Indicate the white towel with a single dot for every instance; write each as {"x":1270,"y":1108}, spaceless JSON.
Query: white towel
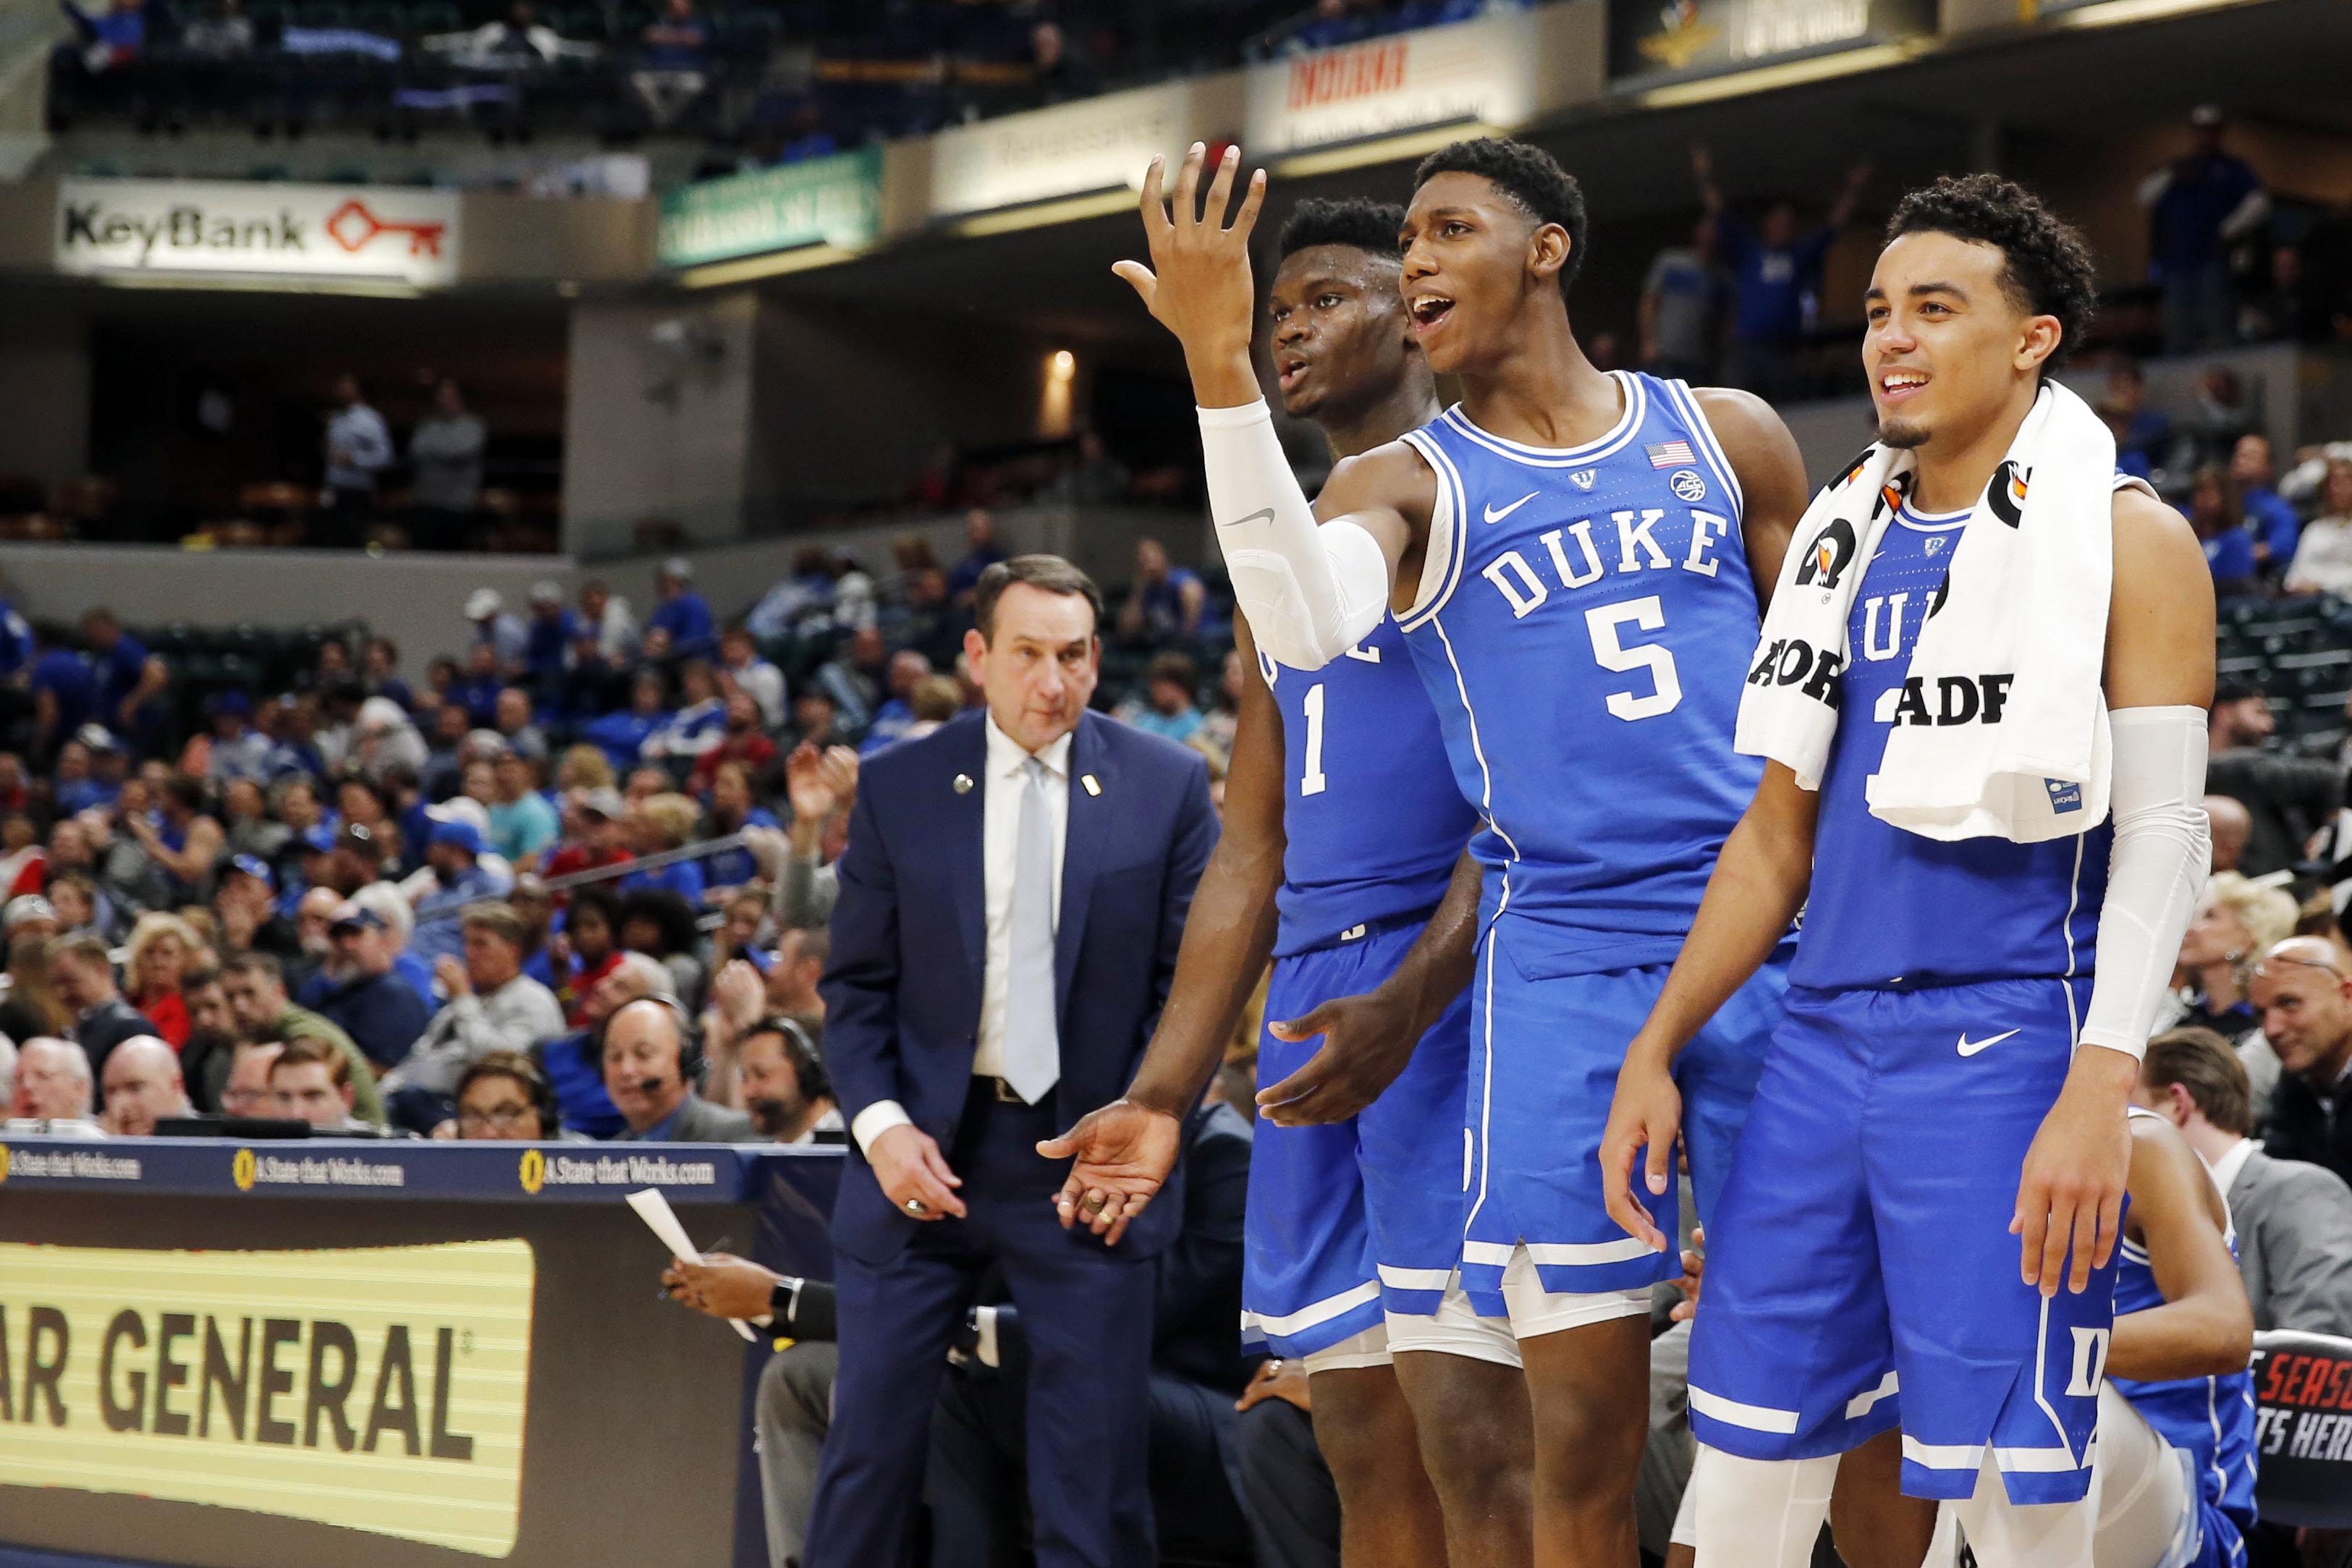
{"x":2001,"y":727}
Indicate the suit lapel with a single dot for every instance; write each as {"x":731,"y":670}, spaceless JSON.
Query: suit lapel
{"x":963,"y":819}
{"x":1090,"y":822}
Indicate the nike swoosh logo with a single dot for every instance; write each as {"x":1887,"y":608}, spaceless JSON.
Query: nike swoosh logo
{"x":1263,"y":514}
{"x":1971,"y":1047}
{"x":1497,"y":514}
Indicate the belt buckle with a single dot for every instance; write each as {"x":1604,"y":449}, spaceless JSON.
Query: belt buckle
{"x":1005,"y":1093}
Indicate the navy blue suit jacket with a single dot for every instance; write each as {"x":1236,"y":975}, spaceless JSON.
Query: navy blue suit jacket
{"x":909,"y":940}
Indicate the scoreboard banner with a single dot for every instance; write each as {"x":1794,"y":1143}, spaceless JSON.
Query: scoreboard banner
{"x":832,"y":201}
{"x":375,"y":1389}
{"x":371,"y":1168}
{"x":2303,"y":1398}
{"x":152,"y":228}
{"x":217,"y":1354}
{"x":1488,"y":72}
{"x":1652,"y":43}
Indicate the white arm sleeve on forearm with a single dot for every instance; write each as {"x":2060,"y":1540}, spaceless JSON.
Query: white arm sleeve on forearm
{"x":1311,"y":592}
{"x":2163,"y":847}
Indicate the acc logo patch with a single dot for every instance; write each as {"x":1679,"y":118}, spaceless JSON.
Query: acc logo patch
{"x":242,"y":1168}
{"x":534,"y":1174}
{"x":1688,"y":485}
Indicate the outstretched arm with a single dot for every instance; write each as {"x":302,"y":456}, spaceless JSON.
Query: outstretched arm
{"x":1759,"y":885}
{"x":1310,"y":593}
{"x":1125,"y":1150}
{"x":2160,"y":683}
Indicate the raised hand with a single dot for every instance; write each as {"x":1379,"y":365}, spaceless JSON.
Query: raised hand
{"x":1198,"y":285}
{"x":1122,"y":1155}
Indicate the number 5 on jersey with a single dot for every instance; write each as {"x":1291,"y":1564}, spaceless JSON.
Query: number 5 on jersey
{"x":1604,"y":623}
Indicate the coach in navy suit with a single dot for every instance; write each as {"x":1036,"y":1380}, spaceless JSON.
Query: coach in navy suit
{"x":1011,"y":899}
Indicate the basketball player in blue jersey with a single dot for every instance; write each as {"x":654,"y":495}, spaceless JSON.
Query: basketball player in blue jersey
{"x":1919,"y":1226}
{"x":1342,"y":829}
{"x":2176,"y":1459}
{"x":1573,"y":558}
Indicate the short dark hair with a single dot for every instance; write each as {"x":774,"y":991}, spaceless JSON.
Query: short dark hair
{"x":519,"y":1069}
{"x":266,"y":965}
{"x":197,"y":977}
{"x":1049,"y":574}
{"x":1359,"y":224}
{"x":307,"y":1050}
{"x":499,"y":919}
{"x":1531,"y":177}
{"x":2047,"y":268}
{"x":1173,"y":668}
{"x":2205,"y":1065}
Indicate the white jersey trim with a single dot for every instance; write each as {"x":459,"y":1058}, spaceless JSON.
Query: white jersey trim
{"x":1732,"y":1413}
{"x":1685,"y":399}
{"x":1628,"y":425}
{"x":1306,"y":1317}
{"x":1449,"y":539}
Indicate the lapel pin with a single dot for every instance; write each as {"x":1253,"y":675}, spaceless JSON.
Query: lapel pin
{"x":1093,"y":788}
{"x":963,"y":783}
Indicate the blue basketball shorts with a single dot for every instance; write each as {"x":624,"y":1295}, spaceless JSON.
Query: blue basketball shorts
{"x":1544,"y":1053}
{"x":1361,"y":1218}
{"x":1861,"y":1274}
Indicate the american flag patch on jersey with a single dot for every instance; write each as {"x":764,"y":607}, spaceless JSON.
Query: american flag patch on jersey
{"x":1670,"y":455}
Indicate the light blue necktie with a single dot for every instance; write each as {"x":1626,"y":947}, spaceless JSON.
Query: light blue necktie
{"x":1033,"y":1045}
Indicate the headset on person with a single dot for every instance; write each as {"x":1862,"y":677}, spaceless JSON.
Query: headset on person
{"x":807,"y":1065}
{"x":690,"y":1039}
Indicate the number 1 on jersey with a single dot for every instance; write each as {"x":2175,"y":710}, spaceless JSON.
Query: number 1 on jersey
{"x":1311,"y":779}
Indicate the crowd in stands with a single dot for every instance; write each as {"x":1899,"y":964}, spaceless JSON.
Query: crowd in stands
{"x":785,"y":79}
{"x":1740,"y":303}
{"x":312,"y":889}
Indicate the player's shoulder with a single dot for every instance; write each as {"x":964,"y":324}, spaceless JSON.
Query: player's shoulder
{"x":1392,"y":465}
{"x":2157,"y":557}
{"x":1751,"y":434}
{"x":2162,"y":1163}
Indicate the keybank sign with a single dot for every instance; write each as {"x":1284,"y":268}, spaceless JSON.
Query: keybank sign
{"x":158,"y":228}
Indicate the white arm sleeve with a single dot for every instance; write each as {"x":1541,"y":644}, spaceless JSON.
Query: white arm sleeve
{"x":2163,"y":847}
{"x":1311,"y":592}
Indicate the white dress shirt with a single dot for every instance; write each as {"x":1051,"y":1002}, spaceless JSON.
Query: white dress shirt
{"x":1005,"y":781}
{"x":2225,"y":1169}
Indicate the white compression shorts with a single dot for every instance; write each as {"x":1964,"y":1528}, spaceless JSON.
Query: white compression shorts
{"x":1456,"y":1330}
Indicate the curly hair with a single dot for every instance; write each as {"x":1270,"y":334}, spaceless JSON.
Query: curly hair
{"x":1529,"y":177}
{"x":1366,"y":226}
{"x":2047,"y":268}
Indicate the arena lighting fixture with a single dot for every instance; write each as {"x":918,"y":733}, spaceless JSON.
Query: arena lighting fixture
{"x":1037,"y":214}
{"x":1381,"y":149}
{"x":253,"y":283}
{"x":772,"y":264}
{"x":1789,"y":73}
{"x":2115,"y":11}
{"x":1062,"y":364}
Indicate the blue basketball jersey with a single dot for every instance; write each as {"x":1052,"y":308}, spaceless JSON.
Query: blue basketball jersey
{"x":1586,"y":621}
{"x":1888,"y":904}
{"x":1370,"y":817}
{"x":2210,"y":1418}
